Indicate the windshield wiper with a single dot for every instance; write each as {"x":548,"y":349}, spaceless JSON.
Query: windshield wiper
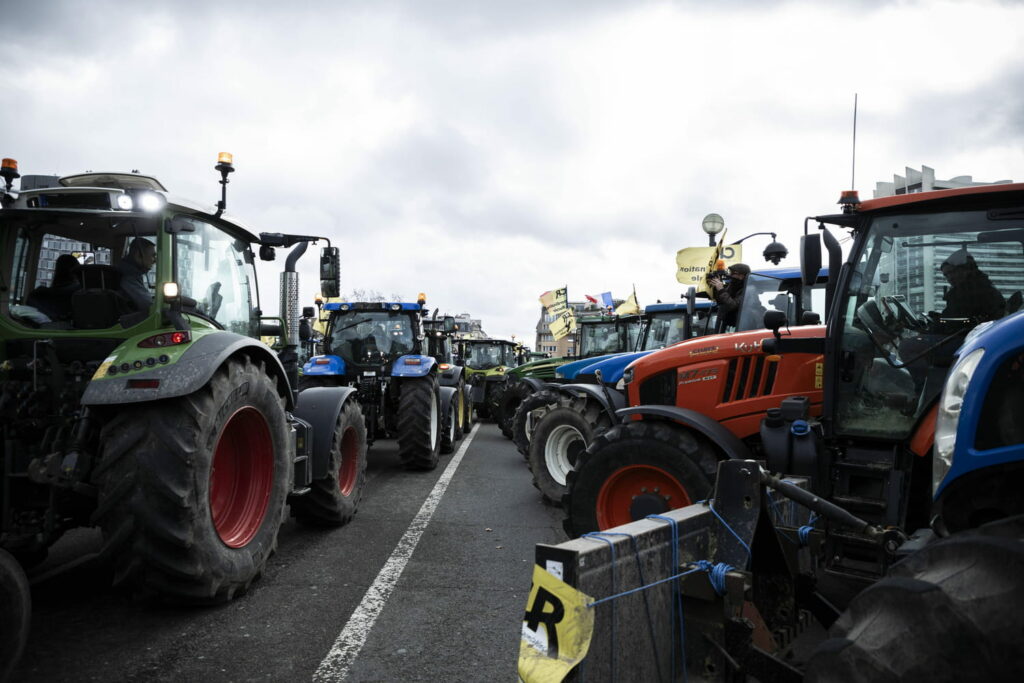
{"x":353,"y":324}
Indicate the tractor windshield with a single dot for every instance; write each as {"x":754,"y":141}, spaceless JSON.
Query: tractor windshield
{"x":210,"y":267}
{"x":70,"y":270}
{"x":665,"y":329}
{"x":361,"y":337}
{"x":439,"y":346}
{"x":789,"y":295}
{"x":919,"y":284}
{"x":487,"y":355}
{"x":599,"y":338}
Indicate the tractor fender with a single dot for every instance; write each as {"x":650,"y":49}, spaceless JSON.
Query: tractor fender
{"x":413,"y":366}
{"x":728,"y":442}
{"x":321,"y":366}
{"x":450,"y":377}
{"x":320,"y":407}
{"x":536,"y":384}
{"x":610,"y":401}
{"x":193,"y":370}
{"x":446,"y":398}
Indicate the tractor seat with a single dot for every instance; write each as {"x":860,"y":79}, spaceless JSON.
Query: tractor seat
{"x":98,"y":304}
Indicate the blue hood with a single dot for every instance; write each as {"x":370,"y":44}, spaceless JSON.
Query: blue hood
{"x":570,"y":370}
{"x":612,"y":367}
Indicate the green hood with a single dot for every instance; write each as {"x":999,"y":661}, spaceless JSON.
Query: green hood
{"x":543,"y":368}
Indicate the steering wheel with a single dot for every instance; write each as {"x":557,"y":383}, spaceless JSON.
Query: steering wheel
{"x":878,"y":322}
{"x":898,"y":311}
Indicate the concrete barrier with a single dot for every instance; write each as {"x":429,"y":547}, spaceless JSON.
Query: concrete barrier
{"x":638,"y":635}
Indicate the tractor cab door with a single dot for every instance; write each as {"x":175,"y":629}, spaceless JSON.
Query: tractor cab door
{"x":915,"y":286}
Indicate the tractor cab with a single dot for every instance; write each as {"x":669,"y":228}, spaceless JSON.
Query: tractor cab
{"x":368,"y":335}
{"x":490,"y":354}
{"x":438,"y":334}
{"x":603,"y":334}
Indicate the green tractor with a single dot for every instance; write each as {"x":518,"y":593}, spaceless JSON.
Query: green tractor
{"x":135,"y":394}
{"x":486,"y":362}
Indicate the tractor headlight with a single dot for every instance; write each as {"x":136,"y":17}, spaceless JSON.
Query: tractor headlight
{"x":151,"y":202}
{"x":949,"y":414}
{"x":124,"y":202}
{"x":627,"y":376}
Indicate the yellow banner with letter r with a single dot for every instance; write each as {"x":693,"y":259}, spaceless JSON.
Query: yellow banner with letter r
{"x":557,"y":628}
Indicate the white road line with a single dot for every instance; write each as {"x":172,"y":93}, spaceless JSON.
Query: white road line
{"x":335,"y":666}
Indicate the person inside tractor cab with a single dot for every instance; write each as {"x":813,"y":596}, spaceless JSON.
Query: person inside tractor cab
{"x":133,"y":267}
{"x":971,"y":294}
{"x":55,"y":300}
{"x":401,"y":337}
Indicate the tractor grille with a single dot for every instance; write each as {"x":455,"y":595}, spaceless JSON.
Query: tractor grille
{"x":659,"y":389}
{"x":749,"y":377}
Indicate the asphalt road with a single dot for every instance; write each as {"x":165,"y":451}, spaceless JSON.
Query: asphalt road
{"x":453,"y":612}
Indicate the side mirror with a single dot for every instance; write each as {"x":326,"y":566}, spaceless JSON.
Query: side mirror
{"x":180,"y":223}
{"x":691,"y":301}
{"x":810,"y":258}
{"x":774,"y":321}
{"x":308,"y":312}
{"x":330,"y":272}
{"x":267,"y":253}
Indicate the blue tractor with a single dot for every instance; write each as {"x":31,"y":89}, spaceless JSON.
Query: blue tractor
{"x":380,"y":349}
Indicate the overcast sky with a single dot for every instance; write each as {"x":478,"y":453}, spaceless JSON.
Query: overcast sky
{"x":484,"y":152}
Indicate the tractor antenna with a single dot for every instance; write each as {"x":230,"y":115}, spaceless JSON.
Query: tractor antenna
{"x":853,"y":164}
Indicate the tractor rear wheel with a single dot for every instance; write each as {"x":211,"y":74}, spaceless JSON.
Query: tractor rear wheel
{"x":950,"y":610}
{"x":559,"y":439}
{"x":192,"y":490}
{"x":508,"y":403}
{"x":529,"y":412}
{"x":15,"y":613}
{"x":634,"y":470}
{"x":419,"y":422}
{"x":334,"y":499}
{"x":459,"y":401}
{"x":448,"y":427}
{"x":468,"y":416}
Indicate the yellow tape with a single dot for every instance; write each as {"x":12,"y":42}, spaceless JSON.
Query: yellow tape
{"x":556,"y":631}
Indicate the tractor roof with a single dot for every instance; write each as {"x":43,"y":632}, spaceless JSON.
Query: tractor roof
{"x":372,"y":306}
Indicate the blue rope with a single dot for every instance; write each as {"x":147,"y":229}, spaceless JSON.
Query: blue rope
{"x":677,"y":597}
{"x":804,"y":532}
{"x":716,"y":573}
{"x":643,"y":584}
{"x":711,"y":507}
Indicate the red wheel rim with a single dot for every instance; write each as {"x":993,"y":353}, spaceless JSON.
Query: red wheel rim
{"x":348,"y":471}
{"x":632,"y":490}
{"x":242,"y":477}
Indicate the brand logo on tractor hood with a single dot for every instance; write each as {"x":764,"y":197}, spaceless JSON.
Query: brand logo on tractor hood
{"x":748,"y":346}
{"x":704,"y":350}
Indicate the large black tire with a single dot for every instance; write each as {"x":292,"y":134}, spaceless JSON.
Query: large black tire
{"x":15,"y":613}
{"x":192,"y":490}
{"x":508,"y":403}
{"x":528,"y":413}
{"x":419,"y":423}
{"x":634,"y":470}
{"x":951,"y":611}
{"x":334,"y":499}
{"x":560,"y":438}
{"x":449,"y":428}
{"x":469,"y":417}
{"x":459,"y":401}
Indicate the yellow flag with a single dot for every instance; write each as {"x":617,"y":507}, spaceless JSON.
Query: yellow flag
{"x":629,"y":306}
{"x":694,"y":263}
{"x":563,"y":325}
{"x":557,"y":628}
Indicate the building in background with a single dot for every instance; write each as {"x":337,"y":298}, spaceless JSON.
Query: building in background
{"x":469,"y":327}
{"x":924,"y":289}
{"x":53,"y":246}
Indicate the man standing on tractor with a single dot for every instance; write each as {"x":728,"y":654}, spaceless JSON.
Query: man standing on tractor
{"x":729,"y":293}
{"x":136,"y":263}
